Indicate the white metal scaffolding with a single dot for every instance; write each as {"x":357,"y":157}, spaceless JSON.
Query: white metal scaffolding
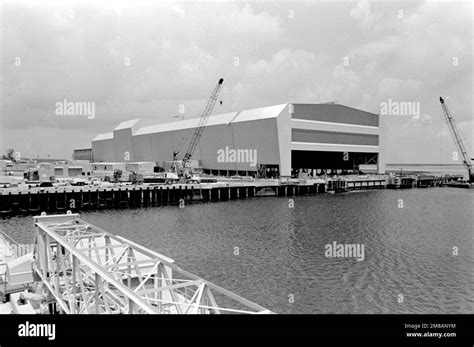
{"x":87,"y":270}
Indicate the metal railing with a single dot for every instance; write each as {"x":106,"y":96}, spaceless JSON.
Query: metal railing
{"x":88,"y":270}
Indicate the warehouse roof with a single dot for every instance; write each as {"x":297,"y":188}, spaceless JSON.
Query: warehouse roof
{"x":106,"y":136}
{"x":127,"y":124}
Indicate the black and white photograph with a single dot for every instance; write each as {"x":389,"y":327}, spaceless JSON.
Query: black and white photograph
{"x":299,"y":168}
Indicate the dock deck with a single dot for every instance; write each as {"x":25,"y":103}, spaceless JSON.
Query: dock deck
{"x":51,"y":200}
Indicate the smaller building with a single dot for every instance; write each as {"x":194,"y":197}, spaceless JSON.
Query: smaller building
{"x":10,"y":168}
{"x":108,"y":166}
{"x":43,"y":172}
{"x":72,"y":169}
{"x":51,"y":171}
{"x":141,"y":167}
{"x":83,"y":154}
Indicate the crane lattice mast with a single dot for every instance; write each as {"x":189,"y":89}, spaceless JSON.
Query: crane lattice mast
{"x":202,"y":124}
{"x":457,"y":138}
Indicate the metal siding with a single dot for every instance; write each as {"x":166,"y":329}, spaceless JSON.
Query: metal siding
{"x":259,"y":135}
{"x":124,"y":145}
{"x":316,"y":136}
{"x":104,"y":150}
{"x":335,"y":114}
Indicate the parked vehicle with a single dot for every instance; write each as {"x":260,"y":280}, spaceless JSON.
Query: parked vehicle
{"x":45,"y":184}
{"x":195,"y":179}
{"x":78,"y":182}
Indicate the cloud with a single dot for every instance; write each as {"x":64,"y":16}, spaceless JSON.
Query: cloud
{"x":287,"y":76}
{"x":177,"y":51}
{"x":409,"y":87}
{"x":96,"y":54}
{"x":363,"y":14}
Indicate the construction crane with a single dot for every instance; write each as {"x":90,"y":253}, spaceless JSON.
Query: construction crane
{"x":196,"y":136}
{"x":458,"y":139}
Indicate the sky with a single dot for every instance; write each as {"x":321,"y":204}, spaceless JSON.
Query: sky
{"x":155,"y":59}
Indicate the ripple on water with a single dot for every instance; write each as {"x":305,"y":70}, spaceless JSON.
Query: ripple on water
{"x":408,"y":251}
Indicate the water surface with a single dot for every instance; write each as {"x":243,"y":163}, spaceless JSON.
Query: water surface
{"x":281,"y":250}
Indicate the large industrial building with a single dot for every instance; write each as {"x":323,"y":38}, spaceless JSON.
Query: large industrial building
{"x":271,"y":141}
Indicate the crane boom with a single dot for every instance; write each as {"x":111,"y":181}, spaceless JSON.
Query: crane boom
{"x":202,"y":123}
{"x":457,"y":139}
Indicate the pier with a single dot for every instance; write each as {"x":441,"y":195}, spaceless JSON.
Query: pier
{"x":85,"y":199}
{"x":50,"y":200}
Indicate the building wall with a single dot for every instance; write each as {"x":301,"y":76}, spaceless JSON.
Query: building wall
{"x":335,"y":113}
{"x":338,"y":129}
{"x":105,"y":166}
{"x":295,"y":127}
{"x":284,"y":139}
{"x":140,"y":167}
{"x":83,"y":154}
{"x":383,"y":145}
{"x":73,"y":169}
{"x":259,"y":135}
{"x":336,"y":137}
{"x":104,"y":150}
{"x":124,"y":150}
